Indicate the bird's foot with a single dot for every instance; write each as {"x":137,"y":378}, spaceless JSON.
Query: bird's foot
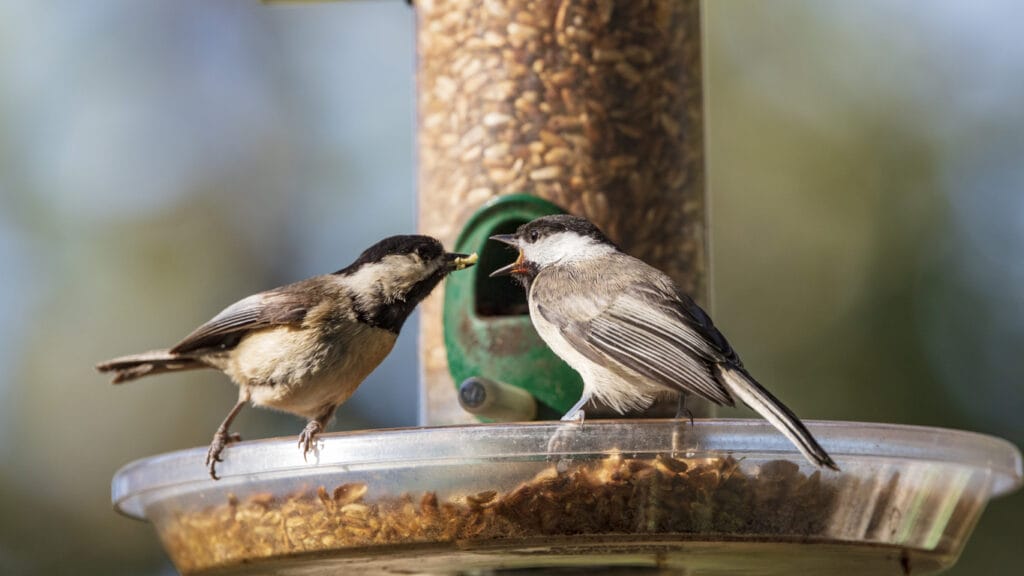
{"x":680,"y":443}
{"x":575,"y":416}
{"x":677,"y":432}
{"x":563,"y":438}
{"x":307,"y":439}
{"x":682,"y":410}
{"x":686,"y":414}
{"x":221,"y":438}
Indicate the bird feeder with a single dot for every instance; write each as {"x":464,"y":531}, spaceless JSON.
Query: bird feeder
{"x":593,"y":107}
{"x":734,"y":498}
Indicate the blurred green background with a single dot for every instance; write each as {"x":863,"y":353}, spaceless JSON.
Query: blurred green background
{"x":159,"y":160}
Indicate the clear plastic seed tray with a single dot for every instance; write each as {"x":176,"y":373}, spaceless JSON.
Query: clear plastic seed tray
{"x":715,"y":497}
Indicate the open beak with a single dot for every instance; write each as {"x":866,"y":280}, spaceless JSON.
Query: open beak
{"x":509,"y":239}
{"x":460,"y":261}
{"x":515,"y":267}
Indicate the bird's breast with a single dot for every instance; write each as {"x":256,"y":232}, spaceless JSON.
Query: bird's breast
{"x":301,"y":371}
{"x":615,"y":385}
{"x":551,"y":334}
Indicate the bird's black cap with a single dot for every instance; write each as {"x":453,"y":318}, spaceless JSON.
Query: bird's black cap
{"x":549,"y":225}
{"x":428,"y":249}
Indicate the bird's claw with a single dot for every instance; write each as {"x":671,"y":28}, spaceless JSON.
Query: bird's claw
{"x":572,"y":422}
{"x":221,"y":439}
{"x":577,"y":417}
{"x":688,"y":415}
{"x":307,"y":439}
{"x":562,"y":440}
{"x":682,"y":410}
{"x":679,"y":447}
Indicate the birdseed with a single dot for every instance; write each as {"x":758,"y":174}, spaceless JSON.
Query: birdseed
{"x":612,"y":496}
{"x":595,"y":105}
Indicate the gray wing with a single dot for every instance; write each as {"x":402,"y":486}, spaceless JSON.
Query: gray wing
{"x":649,"y":329}
{"x":263,"y":310}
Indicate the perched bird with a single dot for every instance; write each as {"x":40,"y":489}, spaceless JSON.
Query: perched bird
{"x":628,"y":330}
{"x":304,"y":348}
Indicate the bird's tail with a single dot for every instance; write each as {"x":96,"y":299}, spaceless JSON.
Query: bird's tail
{"x":745,"y":388}
{"x":127,"y":368}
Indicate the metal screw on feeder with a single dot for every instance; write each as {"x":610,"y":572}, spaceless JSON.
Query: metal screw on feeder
{"x":496,"y":401}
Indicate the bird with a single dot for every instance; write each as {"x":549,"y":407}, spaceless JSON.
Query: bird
{"x":305,"y":347}
{"x":629,"y":331}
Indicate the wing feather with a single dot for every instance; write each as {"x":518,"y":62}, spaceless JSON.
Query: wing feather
{"x":639,"y":321}
{"x":255,"y":312}
{"x":670,"y":358}
{"x":650,"y":334}
{"x":654,"y":313}
{"x":621,"y":347}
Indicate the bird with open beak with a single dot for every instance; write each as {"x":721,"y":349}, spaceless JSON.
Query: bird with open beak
{"x":629,"y":331}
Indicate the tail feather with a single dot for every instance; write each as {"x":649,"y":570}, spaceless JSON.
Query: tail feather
{"x":747,"y":390}
{"x":128,"y":368}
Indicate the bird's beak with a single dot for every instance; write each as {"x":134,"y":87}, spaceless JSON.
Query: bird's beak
{"x":515,"y":267}
{"x":509,"y":239}
{"x":460,"y":261}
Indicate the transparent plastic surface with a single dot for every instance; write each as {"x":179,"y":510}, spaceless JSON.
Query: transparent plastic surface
{"x":720,"y":496}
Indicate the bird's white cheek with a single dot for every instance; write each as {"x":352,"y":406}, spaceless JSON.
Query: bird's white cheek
{"x":564,"y":247}
{"x":390,"y":279}
{"x":542,"y":254}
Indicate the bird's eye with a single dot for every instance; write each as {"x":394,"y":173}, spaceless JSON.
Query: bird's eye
{"x":534,"y":235}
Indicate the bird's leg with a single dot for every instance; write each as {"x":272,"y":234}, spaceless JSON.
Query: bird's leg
{"x":681,"y":409}
{"x":576,"y":414}
{"x":573,"y":421}
{"x":221,"y":438}
{"x":307,"y":439}
{"x":677,"y":432}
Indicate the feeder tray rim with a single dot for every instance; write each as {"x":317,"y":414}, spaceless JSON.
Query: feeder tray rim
{"x":848,"y":442}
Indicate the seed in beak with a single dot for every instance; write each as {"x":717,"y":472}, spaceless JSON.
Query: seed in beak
{"x":465,"y":261}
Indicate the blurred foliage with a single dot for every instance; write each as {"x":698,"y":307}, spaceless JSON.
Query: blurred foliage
{"x":160,"y":160}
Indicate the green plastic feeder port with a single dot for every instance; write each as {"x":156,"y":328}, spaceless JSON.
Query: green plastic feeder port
{"x":487,"y":328}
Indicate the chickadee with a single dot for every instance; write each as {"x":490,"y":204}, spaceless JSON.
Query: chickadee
{"x":304,"y":348}
{"x":628,"y":330}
